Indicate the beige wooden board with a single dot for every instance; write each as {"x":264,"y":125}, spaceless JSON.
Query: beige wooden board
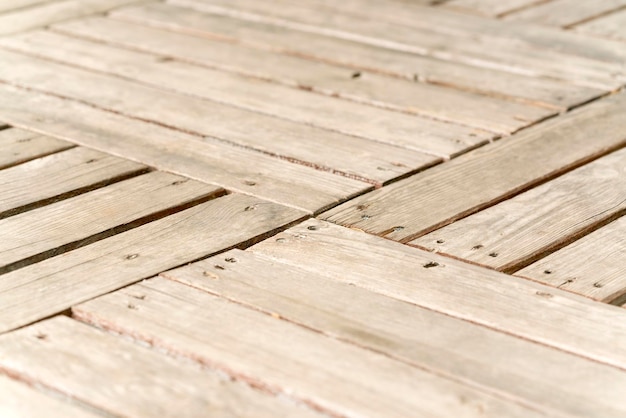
{"x":334,"y":376}
{"x":63,"y":173}
{"x":566,"y":12}
{"x":40,"y":15}
{"x":442,"y":103}
{"x":19,"y":146}
{"x":516,"y":306}
{"x":355,"y":157}
{"x":594,"y":266}
{"x":532,"y":373}
{"x":9,"y":5}
{"x":53,"y":285}
{"x":491,"y":49}
{"x":516,"y":232}
{"x":17,"y":400}
{"x":39,"y":233}
{"x":126,"y":379}
{"x":609,"y":26}
{"x":209,"y":161}
{"x":421,"y":134}
{"x":361,"y":56}
{"x":490,"y":7}
{"x":415,"y":206}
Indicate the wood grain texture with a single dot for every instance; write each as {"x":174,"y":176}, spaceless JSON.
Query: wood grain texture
{"x":19,"y":146}
{"x":354,"y":157}
{"x":566,"y":12}
{"x":551,"y":316}
{"x":10,"y":5}
{"x":209,"y":161}
{"x":489,"y":7}
{"x":56,"y":228}
{"x":53,"y":285}
{"x":336,"y":377}
{"x":415,"y":206}
{"x":610,"y":26}
{"x":532,"y":374}
{"x":358,"y":56}
{"x":57,"y":175}
{"x":126,"y":379}
{"x":594,"y":266}
{"x":516,"y":232}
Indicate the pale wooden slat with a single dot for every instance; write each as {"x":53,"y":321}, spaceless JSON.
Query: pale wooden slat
{"x":334,"y":376}
{"x":125,"y":379}
{"x":63,"y":173}
{"x":19,"y":146}
{"x":518,"y":231}
{"x":39,"y":233}
{"x":516,"y":306}
{"x":594,"y":266}
{"x":610,"y":26}
{"x":470,"y":109}
{"x":421,"y":134}
{"x":9,"y":5}
{"x":411,"y":334}
{"x":53,"y":285}
{"x":356,"y":157}
{"x":360,"y":56}
{"x":566,"y":12}
{"x":410,"y":208}
{"x":489,"y":7}
{"x":209,"y":161}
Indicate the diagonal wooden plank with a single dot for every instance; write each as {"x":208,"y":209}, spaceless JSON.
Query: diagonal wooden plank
{"x":566,"y":12}
{"x":490,"y":7}
{"x":420,"y":337}
{"x":19,"y":146}
{"x":415,"y":206}
{"x":10,"y":5}
{"x":126,"y":379}
{"x":609,"y":26}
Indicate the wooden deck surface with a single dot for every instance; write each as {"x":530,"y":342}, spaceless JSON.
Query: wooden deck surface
{"x":316,"y":208}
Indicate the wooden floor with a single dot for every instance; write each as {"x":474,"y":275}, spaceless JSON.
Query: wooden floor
{"x":313,"y":208}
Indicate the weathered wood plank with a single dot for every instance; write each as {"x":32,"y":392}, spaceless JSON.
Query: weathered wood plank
{"x":43,"y":289}
{"x":552,"y":317}
{"x":60,"y":227}
{"x":415,"y":206}
{"x":516,"y":232}
{"x":360,"y":56}
{"x":610,"y":26}
{"x":438,"y":102}
{"x":594,"y":266}
{"x":355,"y":157}
{"x":489,"y":7}
{"x":59,"y":175}
{"x":421,"y":134}
{"x":9,"y":5}
{"x":206,"y":160}
{"x":126,"y":379}
{"x":566,"y":12}
{"x":336,"y":377}
{"x":420,"y":337}
{"x":19,"y":146}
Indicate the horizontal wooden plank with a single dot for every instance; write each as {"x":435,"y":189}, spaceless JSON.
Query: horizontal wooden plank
{"x":126,"y":379}
{"x":268,"y":352}
{"x":566,"y":12}
{"x":58,"y":176}
{"x":417,"y":336}
{"x":19,"y":146}
{"x":610,"y":26}
{"x":594,"y":266}
{"x":549,"y":316}
{"x":415,"y":206}
{"x":489,"y":7}
{"x":206,"y":160}
{"x":48,"y":287}
{"x":60,"y":227}
{"x":516,"y":232}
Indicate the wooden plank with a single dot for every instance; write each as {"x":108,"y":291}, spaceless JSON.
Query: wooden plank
{"x":58,"y":176}
{"x":417,"y":336}
{"x":610,"y":26}
{"x":60,"y":227}
{"x":415,"y":206}
{"x":438,"y":102}
{"x":206,"y":160}
{"x":20,"y":400}
{"x":566,"y":12}
{"x":359,"y":56}
{"x":355,"y":157}
{"x":593,"y":266}
{"x":550,"y":316}
{"x":46,"y":288}
{"x":282,"y":357}
{"x":126,"y":379}
{"x":420,"y":134}
{"x":19,"y":146}
{"x":517,"y":232}
{"x":491,"y":8}
{"x":9,"y":5}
